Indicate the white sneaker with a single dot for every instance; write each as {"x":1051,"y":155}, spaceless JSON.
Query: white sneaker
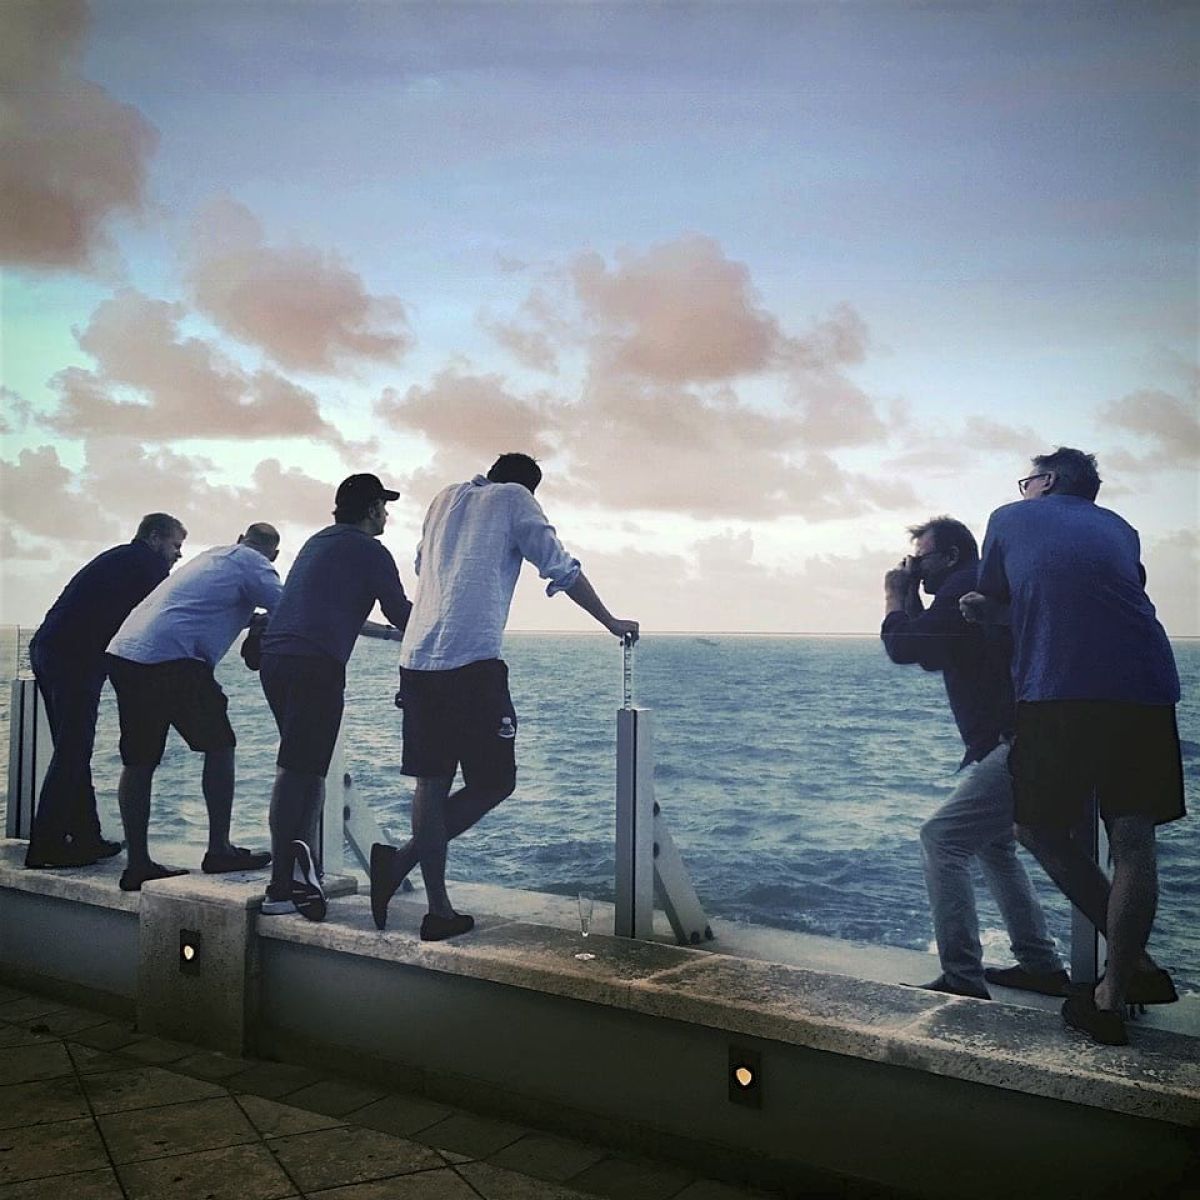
{"x":307,"y":895}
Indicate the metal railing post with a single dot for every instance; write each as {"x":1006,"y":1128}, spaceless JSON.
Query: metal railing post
{"x":634,"y":915}
{"x":1086,"y":939}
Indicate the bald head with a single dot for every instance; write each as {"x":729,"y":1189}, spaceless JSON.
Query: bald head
{"x":261,"y":537}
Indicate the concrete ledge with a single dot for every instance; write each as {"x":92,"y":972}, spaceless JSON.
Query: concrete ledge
{"x":98,"y":885}
{"x":997,"y":1045}
{"x":44,"y":929}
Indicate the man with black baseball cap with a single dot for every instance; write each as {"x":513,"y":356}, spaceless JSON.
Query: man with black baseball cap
{"x":335,"y":582}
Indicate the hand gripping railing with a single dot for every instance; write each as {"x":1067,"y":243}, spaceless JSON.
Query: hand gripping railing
{"x":646,"y":853}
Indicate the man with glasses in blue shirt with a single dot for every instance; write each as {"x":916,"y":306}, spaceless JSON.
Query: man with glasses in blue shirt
{"x":1096,"y":688}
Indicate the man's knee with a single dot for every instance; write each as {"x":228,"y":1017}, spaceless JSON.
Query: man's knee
{"x":933,"y":834}
{"x":1131,"y":839}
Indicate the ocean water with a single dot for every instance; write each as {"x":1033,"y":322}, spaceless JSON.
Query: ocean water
{"x":794,"y":772}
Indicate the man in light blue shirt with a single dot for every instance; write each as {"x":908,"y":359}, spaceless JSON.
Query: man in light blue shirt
{"x":453,"y":683}
{"x":1096,"y":688}
{"x":161,"y":664}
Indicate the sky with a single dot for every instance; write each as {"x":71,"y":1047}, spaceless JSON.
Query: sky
{"x":760,"y":284}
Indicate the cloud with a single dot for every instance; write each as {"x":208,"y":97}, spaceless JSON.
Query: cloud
{"x":705,"y":587}
{"x":1171,"y":424}
{"x":474,"y":413}
{"x":302,"y":306}
{"x":944,"y":452}
{"x":185,"y":387}
{"x":51,"y":513}
{"x":121,"y":480}
{"x":13,"y":547}
{"x":15,"y":410}
{"x":835,"y":412}
{"x":74,"y":157}
{"x":679,"y":313}
{"x":128,"y":479}
{"x":530,"y":347}
{"x":39,"y":495}
{"x":671,"y":450}
{"x":840,"y":340}
{"x":1173,"y":581}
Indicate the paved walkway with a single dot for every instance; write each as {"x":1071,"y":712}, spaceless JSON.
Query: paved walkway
{"x":92,"y":1110}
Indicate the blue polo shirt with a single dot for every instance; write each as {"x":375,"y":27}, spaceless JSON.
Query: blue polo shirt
{"x":974,"y":660}
{"x":82,"y":621}
{"x":330,"y":591}
{"x":1083,"y":627}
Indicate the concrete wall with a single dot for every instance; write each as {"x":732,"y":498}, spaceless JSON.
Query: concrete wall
{"x":591,"y":1070}
{"x":80,"y":944}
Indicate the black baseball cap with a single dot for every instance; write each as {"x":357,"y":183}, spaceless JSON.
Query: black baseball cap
{"x":359,"y":492}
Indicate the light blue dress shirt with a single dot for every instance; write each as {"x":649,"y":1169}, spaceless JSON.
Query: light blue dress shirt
{"x":199,"y":611}
{"x":475,"y":538}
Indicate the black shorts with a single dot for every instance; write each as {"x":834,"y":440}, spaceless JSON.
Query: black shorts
{"x":153,"y":697}
{"x":306,"y":694}
{"x":1066,"y":750}
{"x":463,"y":717}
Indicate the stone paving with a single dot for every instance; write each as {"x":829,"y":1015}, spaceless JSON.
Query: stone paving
{"x":92,"y":1110}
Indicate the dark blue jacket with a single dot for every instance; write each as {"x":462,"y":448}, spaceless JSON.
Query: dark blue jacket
{"x":83,"y":620}
{"x":975,"y":662}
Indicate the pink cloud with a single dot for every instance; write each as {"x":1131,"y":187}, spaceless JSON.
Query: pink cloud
{"x":184,"y":386}
{"x":301,"y":305}
{"x":74,"y":157}
{"x":39,"y":495}
{"x":840,"y":340}
{"x":671,"y":450}
{"x":679,"y":313}
{"x":530,"y":347}
{"x":475,"y":413}
{"x":128,"y":479}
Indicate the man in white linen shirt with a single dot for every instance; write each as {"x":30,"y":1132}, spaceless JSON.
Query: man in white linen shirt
{"x":453,"y":683}
{"x":161,"y":664}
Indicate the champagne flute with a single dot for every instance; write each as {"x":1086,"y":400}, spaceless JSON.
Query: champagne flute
{"x":587,"y":904}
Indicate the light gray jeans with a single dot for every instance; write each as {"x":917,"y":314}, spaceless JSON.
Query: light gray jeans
{"x":977,"y":821}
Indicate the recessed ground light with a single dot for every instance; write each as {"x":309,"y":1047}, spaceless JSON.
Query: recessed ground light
{"x":189,"y":951}
{"x":745,"y":1077}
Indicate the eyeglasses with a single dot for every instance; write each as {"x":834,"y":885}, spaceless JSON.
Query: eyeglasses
{"x":1023,"y":484}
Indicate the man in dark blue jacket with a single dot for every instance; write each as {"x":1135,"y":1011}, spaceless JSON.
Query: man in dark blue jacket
{"x":67,"y":656}
{"x":977,"y":820}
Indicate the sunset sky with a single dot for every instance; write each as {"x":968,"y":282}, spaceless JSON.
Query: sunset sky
{"x":759,"y":284}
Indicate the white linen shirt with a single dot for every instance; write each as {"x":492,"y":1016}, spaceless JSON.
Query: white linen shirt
{"x":475,"y":537}
{"x":199,"y":611}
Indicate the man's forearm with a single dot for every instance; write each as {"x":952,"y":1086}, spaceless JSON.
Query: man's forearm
{"x":582,"y":592}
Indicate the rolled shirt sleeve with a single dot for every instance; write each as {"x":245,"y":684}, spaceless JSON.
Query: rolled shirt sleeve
{"x":538,"y":543}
